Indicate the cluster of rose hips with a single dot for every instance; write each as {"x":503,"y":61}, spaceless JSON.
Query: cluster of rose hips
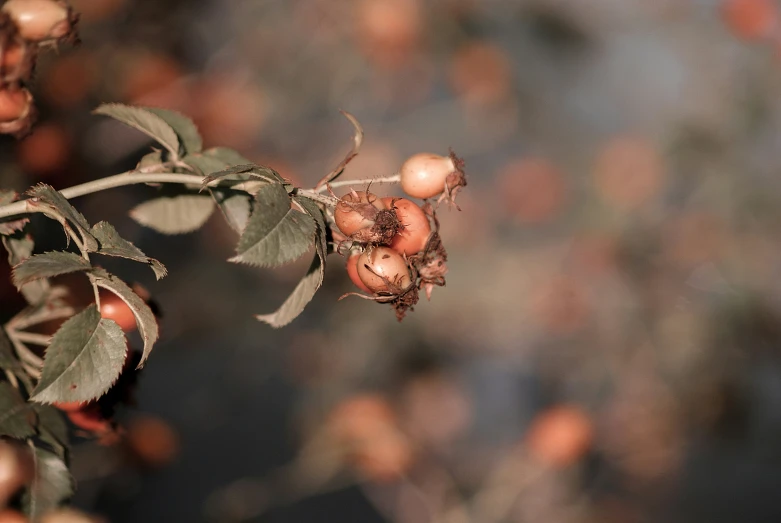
{"x":25,"y":27}
{"x":394,"y":247}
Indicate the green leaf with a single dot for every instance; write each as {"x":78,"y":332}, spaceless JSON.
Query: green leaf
{"x":16,"y":418}
{"x":215,"y":159}
{"x":145,"y":318}
{"x":45,"y":197}
{"x":83,"y":360}
{"x":145,"y":121}
{"x":47,"y":265}
{"x":52,"y":428}
{"x":19,"y":249}
{"x":174,"y":215}
{"x":299,"y":298}
{"x":236,"y":206}
{"x":7,"y":196}
{"x":184,"y":128}
{"x":51,"y":485}
{"x":227,"y":155}
{"x":311,"y":282}
{"x":10,"y":225}
{"x":313,"y":210}
{"x":112,"y":244}
{"x":275,"y":233}
{"x":204,"y":163}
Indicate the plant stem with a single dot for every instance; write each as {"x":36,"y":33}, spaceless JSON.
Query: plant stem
{"x":110,"y":182}
{"x":395,"y":178}
{"x":135,"y":177}
{"x":31,"y":337}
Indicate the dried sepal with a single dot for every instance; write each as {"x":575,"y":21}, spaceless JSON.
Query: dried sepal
{"x":453,"y":182}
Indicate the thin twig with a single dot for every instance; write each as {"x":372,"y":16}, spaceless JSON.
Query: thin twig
{"x":25,"y":354}
{"x":395,"y":178}
{"x":12,"y":379}
{"x":32,"y":337}
{"x":316,"y":196}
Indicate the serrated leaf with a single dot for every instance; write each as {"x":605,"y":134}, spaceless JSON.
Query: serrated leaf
{"x":204,"y":163}
{"x":275,"y":233}
{"x":48,"y":265}
{"x":112,"y":244}
{"x":316,"y":212}
{"x":145,"y":318}
{"x":16,"y":418}
{"x":47,"y":198}
{"x":227,"y":155}
{"x":7,"y":196}
{"x":174,"y":215}
{"x":51,"y":484}
{"x":83,"y":360}
{"x":145,"y":121}
{"x":19,"y":249}
{"x":311,"y":282}
{"x":299,"y":298}
{"x":52,"y":428}
{"x":184,"y":128}
{"x":10,"y":225}
{"x":236,"y":207}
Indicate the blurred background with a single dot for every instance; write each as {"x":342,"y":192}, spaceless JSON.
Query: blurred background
{"x":607,"y":346}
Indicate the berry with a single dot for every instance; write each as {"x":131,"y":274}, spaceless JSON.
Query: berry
{"x":382,"y":269}
{"x":415,"y":227}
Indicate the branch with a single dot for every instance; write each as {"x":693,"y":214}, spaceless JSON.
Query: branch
{"x":395,"y":178}
{"x":110,"y":182}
